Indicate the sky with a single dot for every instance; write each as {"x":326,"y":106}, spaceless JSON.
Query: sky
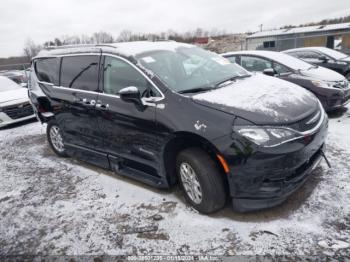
{"x":44,"y":20}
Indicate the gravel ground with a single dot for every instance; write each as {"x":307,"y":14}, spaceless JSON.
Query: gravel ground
{"x":61,"y":206}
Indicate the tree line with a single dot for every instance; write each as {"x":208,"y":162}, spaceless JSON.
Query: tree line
{"x":31,"y":48}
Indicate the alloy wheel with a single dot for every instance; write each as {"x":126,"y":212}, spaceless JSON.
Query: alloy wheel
{"x":56,"y":138}
{"x":191,"y":183}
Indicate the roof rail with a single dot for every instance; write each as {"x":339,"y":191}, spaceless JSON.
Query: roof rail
{"x":76,"y":46}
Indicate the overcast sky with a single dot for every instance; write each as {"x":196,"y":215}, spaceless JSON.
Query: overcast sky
{"x":43,"y":20}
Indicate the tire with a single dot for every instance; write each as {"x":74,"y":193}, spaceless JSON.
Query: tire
{"x":54,"y":138}
{"x":208,"y":180}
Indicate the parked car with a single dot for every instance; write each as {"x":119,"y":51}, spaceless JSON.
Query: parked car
{"x":324,"y":57}
{"x":162,"y":112}
{"x":331,"y":88}
{"x":18,"y":76}
{"x":14,"y":103}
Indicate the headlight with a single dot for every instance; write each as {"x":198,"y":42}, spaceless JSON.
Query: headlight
{"x":322,"y":84}
{"x":267,"y":136}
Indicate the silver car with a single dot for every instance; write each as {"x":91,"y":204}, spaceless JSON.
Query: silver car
{"x":14,"y":103}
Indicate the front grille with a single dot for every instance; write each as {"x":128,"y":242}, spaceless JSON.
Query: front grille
{"x":308,"y":122}
{"x":19,"y":110}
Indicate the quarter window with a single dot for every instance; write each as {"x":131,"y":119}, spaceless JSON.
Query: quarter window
{"x":232,"y":59}
{"x":280,"y":69}
{"x":80,"y":72}
{"x":47,"y":70}
{"x":119,"y":74}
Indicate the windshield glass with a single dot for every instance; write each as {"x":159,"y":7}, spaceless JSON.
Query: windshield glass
{"x":7,"y":84}
{"x":188,"y":68}
{"x":290,"y":61}
{"x":334,"y":54}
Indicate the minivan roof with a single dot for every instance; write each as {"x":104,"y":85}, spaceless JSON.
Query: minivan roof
{"x":123,"y":48}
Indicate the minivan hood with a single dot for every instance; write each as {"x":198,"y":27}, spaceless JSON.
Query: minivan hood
{"x":324,"y":74}
{"x":11,"y":95}
{"x":262,"y":100}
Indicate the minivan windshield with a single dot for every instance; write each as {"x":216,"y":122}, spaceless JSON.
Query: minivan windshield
{"x":191,"y":69}
{"x":7,"y":84}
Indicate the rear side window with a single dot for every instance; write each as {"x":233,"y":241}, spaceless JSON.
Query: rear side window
{"x":47,"y":70}
{"x":80,"y":72}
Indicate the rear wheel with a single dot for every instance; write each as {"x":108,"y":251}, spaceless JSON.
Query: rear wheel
{"x":55,"y":139}
{"x":201,"y":180}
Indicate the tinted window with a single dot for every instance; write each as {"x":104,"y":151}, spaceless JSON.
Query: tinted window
{"x":255,"y":63}
{"x":80,"y":72}
{"x":47,"y":70}
{"x":119,"y":74}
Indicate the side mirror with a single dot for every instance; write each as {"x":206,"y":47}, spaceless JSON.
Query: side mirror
{"x":323,"y":59}
{"x":131,"y":94}
{"x":269,"y":72}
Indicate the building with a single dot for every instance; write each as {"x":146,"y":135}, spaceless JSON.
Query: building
{"x":336,"y":36}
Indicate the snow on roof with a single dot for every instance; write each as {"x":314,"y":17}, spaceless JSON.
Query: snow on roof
{"x":282,"y":58}
{"x":298,"y":30}
{"x":124,"y":48}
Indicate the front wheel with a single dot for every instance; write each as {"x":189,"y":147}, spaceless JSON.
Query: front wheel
{"x":201,"y":180}
{"x":55,"y":139}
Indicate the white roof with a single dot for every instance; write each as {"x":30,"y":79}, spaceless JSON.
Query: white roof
{"x":297,"y":30}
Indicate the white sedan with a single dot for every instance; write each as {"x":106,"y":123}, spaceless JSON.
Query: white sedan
{"x":14,"y":103}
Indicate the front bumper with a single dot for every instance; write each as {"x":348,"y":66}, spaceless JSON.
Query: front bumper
{"x":12,"y":114}
{"x":265,"y":178}
{"x":337,"y":100}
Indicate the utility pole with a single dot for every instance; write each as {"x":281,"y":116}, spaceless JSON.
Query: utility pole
{"x":261,"y":27}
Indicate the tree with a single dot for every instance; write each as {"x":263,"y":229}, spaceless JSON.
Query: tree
{"x":31,"y":49}
{"x":102,"y":37}
{"x":124,"y":36}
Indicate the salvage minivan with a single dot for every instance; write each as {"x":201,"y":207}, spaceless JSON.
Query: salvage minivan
{"x":168,"y":112}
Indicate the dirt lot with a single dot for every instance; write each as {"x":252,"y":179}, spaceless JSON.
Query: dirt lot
{"x":52,"y":205}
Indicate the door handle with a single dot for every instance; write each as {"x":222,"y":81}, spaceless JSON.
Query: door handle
{"x":102,"y":106}
{"x":86,"y":102}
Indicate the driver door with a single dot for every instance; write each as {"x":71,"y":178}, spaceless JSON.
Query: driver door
{"x":128,"y":131}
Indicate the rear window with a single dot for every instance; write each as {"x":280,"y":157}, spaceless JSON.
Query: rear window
{"x":47,"y":70}
{"x":80,"y":72}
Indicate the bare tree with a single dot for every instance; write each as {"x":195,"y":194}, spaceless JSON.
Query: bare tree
{"x":31,"y":49}
{"x":102,"y":37}
{"x":124,"y":36}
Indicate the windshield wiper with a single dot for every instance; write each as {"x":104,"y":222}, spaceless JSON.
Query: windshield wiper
{"x":196,"y":90}
{"x":230,"y":80}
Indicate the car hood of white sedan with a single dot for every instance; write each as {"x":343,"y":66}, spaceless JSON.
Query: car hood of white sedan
{"x":12,"y":95}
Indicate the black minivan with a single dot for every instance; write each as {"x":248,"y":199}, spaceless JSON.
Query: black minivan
{"x":167,"y":112}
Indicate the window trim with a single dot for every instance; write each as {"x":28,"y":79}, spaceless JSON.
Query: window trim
{"x":81,"y":54}
{"x":146,"y":99}
{"x":100,"y":90}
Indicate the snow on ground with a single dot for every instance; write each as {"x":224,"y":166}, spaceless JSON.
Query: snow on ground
{"x":52,"y":205}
